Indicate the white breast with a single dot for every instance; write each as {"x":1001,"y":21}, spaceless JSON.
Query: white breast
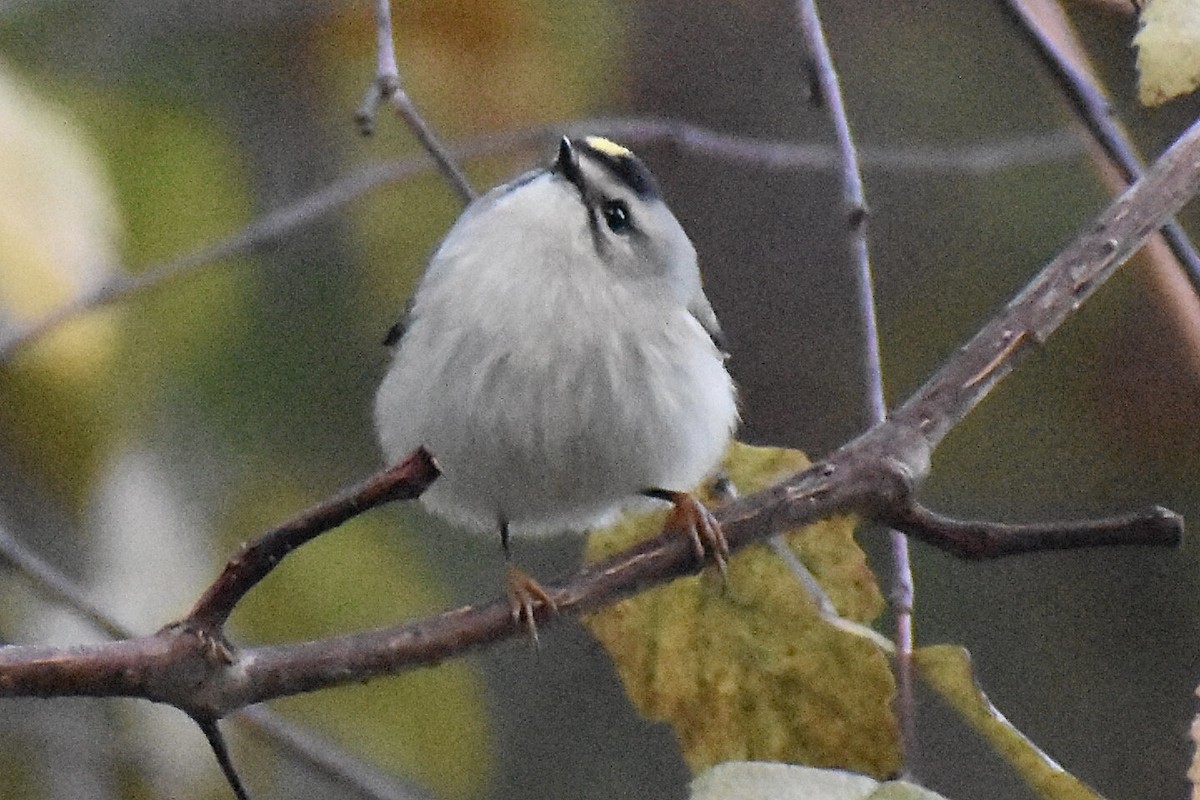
{"x":553,"y":397}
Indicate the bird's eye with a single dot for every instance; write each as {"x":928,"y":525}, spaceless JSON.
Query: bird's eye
{"x":616,"y":215}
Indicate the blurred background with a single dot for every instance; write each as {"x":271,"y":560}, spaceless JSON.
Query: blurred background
{"x":141,"y":443}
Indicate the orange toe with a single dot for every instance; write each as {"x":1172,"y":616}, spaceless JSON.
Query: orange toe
{"x":525,"y":596}
{"x":690,"y":518}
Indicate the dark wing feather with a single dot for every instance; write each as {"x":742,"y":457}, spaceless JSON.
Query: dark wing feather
{"x":396,"y":332}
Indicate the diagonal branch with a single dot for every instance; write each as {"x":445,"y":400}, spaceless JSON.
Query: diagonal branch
{"x":1055,"y":293}
{"x":405,"y":481}
{"x":1095,"y":111}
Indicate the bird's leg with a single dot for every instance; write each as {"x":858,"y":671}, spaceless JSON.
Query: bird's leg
{"x":689,"y":517}
{"x":524,"y":593}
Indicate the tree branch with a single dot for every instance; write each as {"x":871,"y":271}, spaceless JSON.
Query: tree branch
{"x":854,"y":203}
{"x":302,"y":745}
{"x":387,"y":86}
{"x":975,"y":539}
{"x":1094,"y":109}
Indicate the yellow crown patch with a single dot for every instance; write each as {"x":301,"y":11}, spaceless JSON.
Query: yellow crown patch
{"x":607,"y":146}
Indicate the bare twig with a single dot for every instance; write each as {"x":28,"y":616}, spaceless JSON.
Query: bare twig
{"x":387,"y":72}
{"x":330,"y":760}
{"x":429,"y":140}
{"x":980,"y":159}
{"x":1095,"y":111}
{"x":280,"y":222}
{"x":58,"y":587}
{"x":855,"y":206}
{"x":979,"y":539}
{"x":269,"y":228}
{"x":387,"y":86}
{"x":404,"y":481}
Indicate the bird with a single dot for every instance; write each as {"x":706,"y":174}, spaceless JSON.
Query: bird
{"x":561,"y":361}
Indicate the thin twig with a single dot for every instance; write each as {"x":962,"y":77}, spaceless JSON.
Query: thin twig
{"x":855,"y":205}
{"x":387,"y":72}
{"x":55,"y":585}
{"x":274,"y":225}
{"x":387,"y":86}
{"x":327,"y":758}
{"x":433,"y":145}
{"x":269,"y":228}
{"x":974,"y":539}
{"x":255,"y":561}
{"x":1096,"y":112}
{"x":979,"y":159}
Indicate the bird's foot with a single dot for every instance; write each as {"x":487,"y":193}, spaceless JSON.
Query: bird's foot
{"x":690,"y":518}
{"x":525,"y":596}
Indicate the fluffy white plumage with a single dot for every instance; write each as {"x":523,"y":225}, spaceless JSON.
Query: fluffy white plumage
{"x":559,"y":355}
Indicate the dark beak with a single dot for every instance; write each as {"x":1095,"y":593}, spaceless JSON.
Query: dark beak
{"x":567,"y":163}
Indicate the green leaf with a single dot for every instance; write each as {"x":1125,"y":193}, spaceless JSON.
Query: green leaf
{"x":948,"y":670}
{"x":750,"y":670}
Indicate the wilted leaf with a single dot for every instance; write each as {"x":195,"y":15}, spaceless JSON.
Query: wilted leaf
{"x":750,"y":671}
{"x":1168,"y":46}
{"x":948,"y":670}
{"x":764,"y":780}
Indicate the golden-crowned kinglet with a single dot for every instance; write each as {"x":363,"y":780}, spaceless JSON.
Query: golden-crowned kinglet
{"x":560,"y":360}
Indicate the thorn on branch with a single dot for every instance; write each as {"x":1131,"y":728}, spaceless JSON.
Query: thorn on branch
{"x":973,"y":539}
{"x":216,"y":740}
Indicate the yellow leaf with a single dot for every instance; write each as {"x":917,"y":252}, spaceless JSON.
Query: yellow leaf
{"x":59,"y":230}
{"x":948,"y":670}
{"x":58,"y":223}
{"x":750,"y":671}
{"x":1168,"y":44}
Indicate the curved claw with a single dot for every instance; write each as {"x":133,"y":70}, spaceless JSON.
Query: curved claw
{"x":690,"y":518}
{"x":525,"y":595}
